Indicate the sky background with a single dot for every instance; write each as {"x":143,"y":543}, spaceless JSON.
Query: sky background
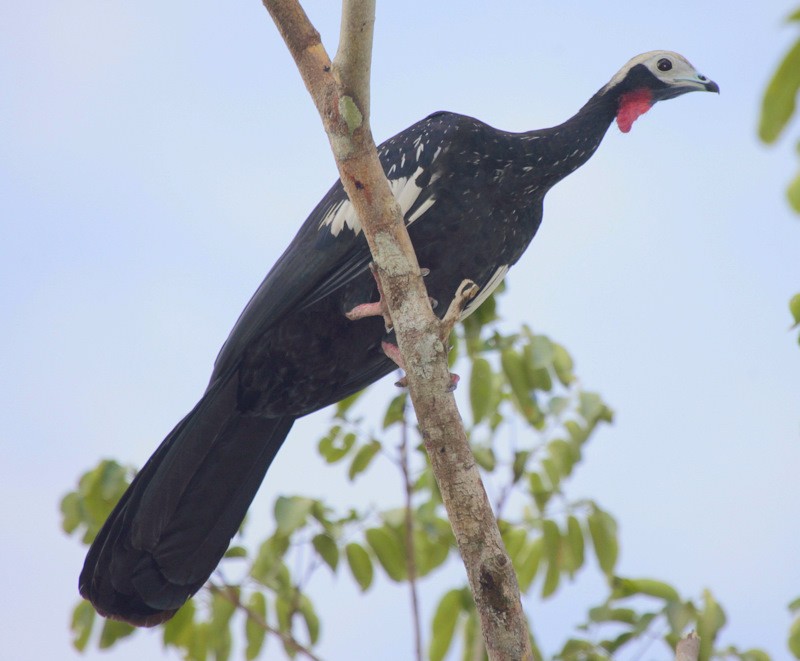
{"x":156,"y":158}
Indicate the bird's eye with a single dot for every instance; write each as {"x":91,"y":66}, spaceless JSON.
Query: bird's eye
{"x":664,"y":64}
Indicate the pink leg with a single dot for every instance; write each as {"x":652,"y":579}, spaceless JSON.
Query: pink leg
{"x":372,"y":309}
{"x":393,"y":352}
{"x":365,"y":310}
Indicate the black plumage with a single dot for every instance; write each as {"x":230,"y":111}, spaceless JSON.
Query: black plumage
{"x":472,"y":198}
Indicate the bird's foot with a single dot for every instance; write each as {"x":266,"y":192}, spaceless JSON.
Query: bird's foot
{"x":373,"y":309}
{"x":379,"y":308}
{"x":393,"y":352}
{"x":466,"y":291}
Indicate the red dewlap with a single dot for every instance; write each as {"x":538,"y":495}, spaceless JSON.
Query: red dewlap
{"x":633,"y":105}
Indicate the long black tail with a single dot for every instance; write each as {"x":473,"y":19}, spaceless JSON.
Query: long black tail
{"x":174,"y":523}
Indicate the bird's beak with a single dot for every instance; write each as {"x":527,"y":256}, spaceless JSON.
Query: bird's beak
{"x":700,"y":83}
{"x":691,"y":83}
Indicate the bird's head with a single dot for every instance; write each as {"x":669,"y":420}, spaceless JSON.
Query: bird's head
{"x":652,"y":77}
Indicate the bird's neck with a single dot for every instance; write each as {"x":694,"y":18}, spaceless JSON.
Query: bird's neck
{"x":556,"y":152}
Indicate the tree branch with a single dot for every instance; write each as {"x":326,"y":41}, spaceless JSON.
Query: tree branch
{"x":688,"y":647}
{"x":411,"y":552}
{"x":342,"y":99}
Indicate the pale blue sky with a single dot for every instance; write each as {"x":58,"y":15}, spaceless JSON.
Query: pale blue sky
{"x":155,"y":159}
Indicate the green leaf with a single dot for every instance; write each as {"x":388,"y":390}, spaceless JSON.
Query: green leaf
{"x":344,"y":405}
{"x":514,"y":368}
{"x":528,"y":560}
{"x":433,"y":541}
{"x":540,"y":494}
{"x":558,"y":405}
{"x":590,"y":406}
{"x":612,"y":646}
{"x":198,"y":643}
{"x":605,"y":613}
{"x":793,"y":193}
{"x":306,"y":609}
{"x":564,"y":454}
{"x":291,"y":513}
{"x":236,"y":552}
{"x":473,"y":646}
{"x":70,"y":512}
{"x":575,"y":648}
{"x":484,"y":456}
{"x":625,"y":587}
{"x":562,"y":364}
{"x":794,"y":605}
{"x":254,"y":630}
{"x":360,"y":565}
{"x":327,"y":549}
{"x":82,"y":621}
{"x":538,"y":354}
{"x":268,"y":561}
{"x":179,"y":630}
{"x":366,"y":453}
{"x":388,"y":550}
{"x":222,"y":610}
{"x":112,"y":631}
{"x":284,"y":611}
{"x":778,"y":104}
{"x":574,"y":547}
{"x":603,"y":530}
{"x":709,"y":621}
{"x":551,"y":538}
{"x":89,"y":506}
{"x":794,"y":638}
{"x":542,"y":351}
{"x":514,"y":539}
{"x":334,"y":446}
{"x":444,"y":624}
{"x":794,"y":308}
{"x":679,"y":615}
{"x":480,"y":385}
{"x":396,"y":412}
{"x":551,"y":579}
{"x":754,"y":655}
{"x":552,"y":469}
{"x":520,"y":461}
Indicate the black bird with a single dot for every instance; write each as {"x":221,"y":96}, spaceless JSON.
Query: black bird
{"x":472,"y":198}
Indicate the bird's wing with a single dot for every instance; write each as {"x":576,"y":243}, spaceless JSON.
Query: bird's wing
{"x":330,"y":251}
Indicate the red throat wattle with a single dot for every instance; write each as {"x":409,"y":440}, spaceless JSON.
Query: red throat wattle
{"x":633,"y":105}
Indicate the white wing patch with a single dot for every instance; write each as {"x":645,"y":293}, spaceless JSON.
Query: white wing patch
{"x":484,"y":293}
{"x":404,"y":190}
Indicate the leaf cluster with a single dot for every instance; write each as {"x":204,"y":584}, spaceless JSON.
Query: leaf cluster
{"x":530,"y":423}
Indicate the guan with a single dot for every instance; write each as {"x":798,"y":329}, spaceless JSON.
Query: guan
{"x":471,"y":196}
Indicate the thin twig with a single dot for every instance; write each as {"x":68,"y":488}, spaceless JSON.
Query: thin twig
{"x":226,"y":592}
{"x":411,"y":563}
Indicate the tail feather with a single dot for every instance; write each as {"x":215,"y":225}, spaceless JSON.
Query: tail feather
{"x":174,"y":523}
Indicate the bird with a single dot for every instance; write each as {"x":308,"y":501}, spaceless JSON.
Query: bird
{"x":471,"y":197}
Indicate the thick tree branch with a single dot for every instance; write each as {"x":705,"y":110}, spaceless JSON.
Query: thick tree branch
{"x":341,"y":94}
